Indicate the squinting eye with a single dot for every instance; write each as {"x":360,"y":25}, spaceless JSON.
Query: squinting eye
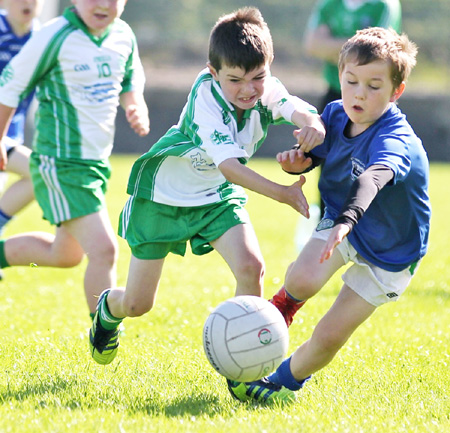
{"x":374,"y":88}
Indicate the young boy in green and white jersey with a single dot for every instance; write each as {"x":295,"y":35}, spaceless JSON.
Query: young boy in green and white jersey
{"x":189,"y":186}
{"x":83,"y":64}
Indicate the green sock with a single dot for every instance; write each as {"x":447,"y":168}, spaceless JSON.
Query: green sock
{"x":107,"y":320}
{"x":3,"y":261}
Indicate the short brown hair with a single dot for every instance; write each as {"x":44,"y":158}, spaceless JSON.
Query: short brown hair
{"x":241,"y":39}
{"x":377,"y":43}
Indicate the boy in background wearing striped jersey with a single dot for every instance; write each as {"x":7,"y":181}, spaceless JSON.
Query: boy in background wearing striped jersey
{"x":189,"y":185}
{"x":83,"y":64}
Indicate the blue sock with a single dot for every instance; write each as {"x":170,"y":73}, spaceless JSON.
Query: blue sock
{"x":293,"y":297}
{"x":283,"y":376}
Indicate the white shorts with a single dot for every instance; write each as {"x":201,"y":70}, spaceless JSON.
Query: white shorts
{"x":9,"y":143}
{"x":377,"y":286}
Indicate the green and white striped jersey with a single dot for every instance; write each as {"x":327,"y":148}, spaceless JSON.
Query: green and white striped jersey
{"x":181,"y":169}
{"x":79,"y":78}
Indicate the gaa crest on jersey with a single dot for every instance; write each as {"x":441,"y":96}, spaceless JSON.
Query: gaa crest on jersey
{"x":357,"y":168}
{"x":219,"y":138}
{"x":199,"y":163}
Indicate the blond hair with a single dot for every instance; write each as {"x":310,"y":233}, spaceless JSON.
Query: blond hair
{"x":377,"y":43}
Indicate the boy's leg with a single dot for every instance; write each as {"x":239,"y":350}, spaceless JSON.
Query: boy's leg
{"x":140,"y":293}
{"x":305,"y":277}
{"x":240,"y":249}
{"x":44,"y":249}
{"x":20,"y":193}
{"x":98,"y":240}
{"x":116,"y":304}
{"x":347,"y":313}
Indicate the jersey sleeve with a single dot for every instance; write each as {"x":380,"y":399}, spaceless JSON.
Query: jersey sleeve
{"x":281,"y":103}
{"x":22,"y":73}
{"x":134,"y":79}
{"x":391,"y":151}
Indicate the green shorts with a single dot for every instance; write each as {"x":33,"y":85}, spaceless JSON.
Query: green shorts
{"x":153,"y":230}
{"x":68,"y":188}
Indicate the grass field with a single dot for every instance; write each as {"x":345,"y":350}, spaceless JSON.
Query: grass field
{"x":393,"y":376}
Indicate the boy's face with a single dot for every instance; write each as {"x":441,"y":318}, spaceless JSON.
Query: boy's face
{"x":22,"y":12}
{"x":99,"y":14}
{"x":367,"y":91}
{"x":242,"y":89}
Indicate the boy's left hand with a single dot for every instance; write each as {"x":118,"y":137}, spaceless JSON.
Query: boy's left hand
{"x":337,"y":234}
{"x":138,"y":120}
{"x":293,"y":161}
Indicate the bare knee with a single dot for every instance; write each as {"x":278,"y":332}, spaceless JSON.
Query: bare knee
{"x":250,"y":274}
{"x":302,"y":285}
{"x":104,"y":252}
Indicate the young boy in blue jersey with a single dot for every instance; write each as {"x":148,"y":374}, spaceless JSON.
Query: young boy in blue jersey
{"x":189,"y":186}
{"x":374,"y":182}
{"x":17,"y":22}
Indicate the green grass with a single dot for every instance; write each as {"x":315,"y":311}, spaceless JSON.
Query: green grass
{"x":392,"y":376}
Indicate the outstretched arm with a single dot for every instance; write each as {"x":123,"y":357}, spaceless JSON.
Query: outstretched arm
{"x":136,"y":112}
{"x":292,"y":195}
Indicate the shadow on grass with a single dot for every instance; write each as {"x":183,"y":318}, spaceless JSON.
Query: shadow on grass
{"x":55,"y":393}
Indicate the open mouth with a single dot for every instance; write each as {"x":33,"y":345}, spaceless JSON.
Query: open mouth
{"x":100,"y":16}
{"x":247,"y":100}
{"x":357,"y":108}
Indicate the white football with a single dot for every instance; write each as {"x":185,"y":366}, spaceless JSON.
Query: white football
{"x":245,"y":338}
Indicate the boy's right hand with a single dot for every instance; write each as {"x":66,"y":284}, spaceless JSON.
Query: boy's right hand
{"x":138,"y":119}
{"x":295,"y":198}
{"x":293,"y":161}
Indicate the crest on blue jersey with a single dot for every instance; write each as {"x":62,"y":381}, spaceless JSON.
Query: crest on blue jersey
{"x":357,"y":167}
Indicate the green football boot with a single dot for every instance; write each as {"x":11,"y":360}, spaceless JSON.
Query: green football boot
{"x":103,"y":343}
{"x":262,"y":391}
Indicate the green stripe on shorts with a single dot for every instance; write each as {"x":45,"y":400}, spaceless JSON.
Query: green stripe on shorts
{"x":68,"y":188}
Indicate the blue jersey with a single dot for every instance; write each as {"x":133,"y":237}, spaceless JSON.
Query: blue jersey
{"x":10,"y":45}
{"x":393,"y":232}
